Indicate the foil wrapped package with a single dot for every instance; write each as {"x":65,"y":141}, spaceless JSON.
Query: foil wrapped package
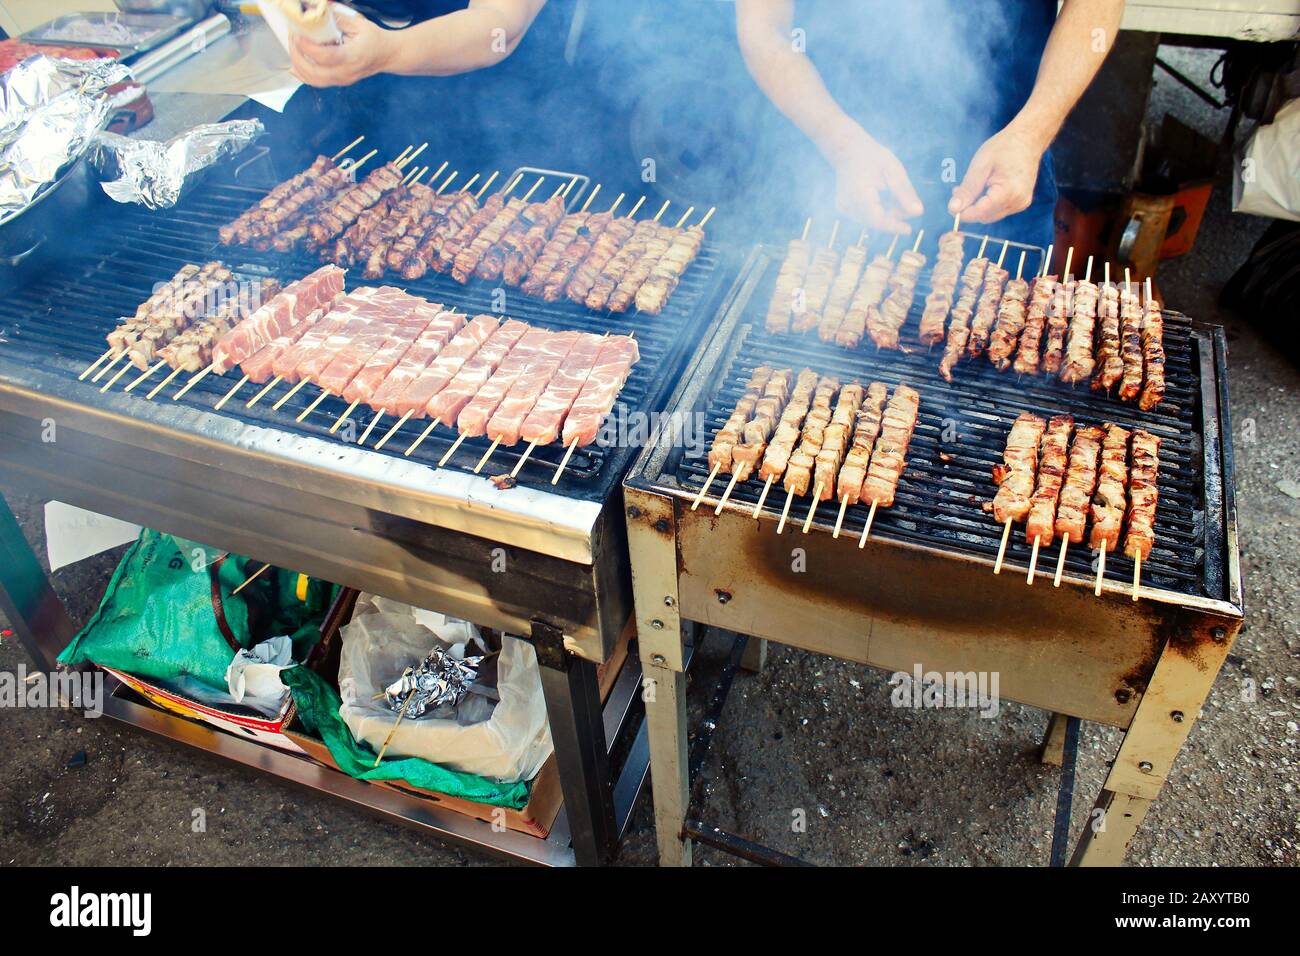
{"x":50,"y":109}
{"x":155,"y":174}
{"x":437,"y":684}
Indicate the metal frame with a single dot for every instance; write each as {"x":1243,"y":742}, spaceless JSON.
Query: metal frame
{"x":1144,"y":667}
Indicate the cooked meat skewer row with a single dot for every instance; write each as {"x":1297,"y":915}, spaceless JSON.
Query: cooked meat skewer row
{"x":835,"y":443}
{"x":1015,"y":476}
{"x":720,"y":454}
{"x":524,"y":246}
{"x":1029,"y":350}
{"x":624,"y":294}
{"x":943,"y":287}
{"x":959,"y":328}
{"x":1053,"y":453}
{"x":798,"y":471}
{"x":1130,"y":314}
{"x":852,"y":263}
{"x":1153,"y":354}
{"x":816,"y":287}
{"x":1108,"y":501}
{"x":782,"y":443}
{"x":745,"y":457}
{"x":788,"y":282}
{"x":875,"y":281}
{"x":1076,"y":493}
{"x":1012,"y":316}
{"x":251,"y":220}
{"x":889,"y":457}
{"x":885,"y":324}
{"x":986,"y":311}
{"x":1058,"y":318}
{"x":603,"y":250}
{"x":620,"y":264}
{"x":1079,"y":362}
{"x":1109,"y":367}
{"x":668,"y":271}
{"x":1142,"y":496}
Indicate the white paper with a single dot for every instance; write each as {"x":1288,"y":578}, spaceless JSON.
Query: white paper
{"x":74,"y":534}
{"x":1268,"y":183}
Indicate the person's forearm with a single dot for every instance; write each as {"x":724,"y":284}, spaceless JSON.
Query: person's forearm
{"x":789,"y":79}
{"x":482,"y":35}
{"x":1082,"y":36}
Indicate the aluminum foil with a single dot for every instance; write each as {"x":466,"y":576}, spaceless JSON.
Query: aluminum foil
{"x":50,"y":108}
{"x":439,"y":681}
{"x":155,"y":174}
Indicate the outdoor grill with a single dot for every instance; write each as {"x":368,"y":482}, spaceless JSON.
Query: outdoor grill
{"x":922,"y":590}
{"x":259,"y":483}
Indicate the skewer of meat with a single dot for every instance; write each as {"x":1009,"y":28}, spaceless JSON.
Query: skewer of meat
{"x":525,"y":246}
{"x":543,"y":422}
{"x":798,"y":470}
{"x":835,"y":444}
{"x":452,"y":246}
{"x":1079,"y":362}
{"x":885,"y":324}
{"x":282,"y":226}
{"x":617,"y":268}
{"x":1130,"y":315}
{"x":986,"y":310}
{"x":596,"y":400}
{"x":866,"y":428}
{"x":789,"y":280}
{"x":241,"y":229}
{"x":852,"y":263}
{"x":1058,"y":318}
{"x":1015,"y":477}
{"x":624,"y":293}
{"x":668,"y":271}
{"x":972,"y":278}
{"x":783,"y":439}
{"x":343,"y":210}
{"x":1053,"y":454}
{"x":424,"y":388}
{"x":1012,"y":316}
{"x":866,"y":299}
{"x":816,"y":286}
{"x":1108,"y":501}
{"x":556,"y":284}
{"x":747,"y":455}
{"x":1142,"y":497}
{"x":1153,"y":353}
{"x":1109,"y":366}
{"x":604,"y":248}
{"x":403,"y":254}
{"x":724,"y":442}
{"x":566,"y":233}
{"x":1077,"y":491}
{"x":492,"y":264}
{"x":1029,"y":351}
{"x":889,"y":456}
{"x":943,"y":287}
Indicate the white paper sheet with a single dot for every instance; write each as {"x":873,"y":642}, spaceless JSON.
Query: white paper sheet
{"x":74,"y":534}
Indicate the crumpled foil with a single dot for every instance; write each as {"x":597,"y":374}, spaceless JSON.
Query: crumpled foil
{"x":49,"y":110}
{"x":155,"y":174}
{"x":440,"y":680}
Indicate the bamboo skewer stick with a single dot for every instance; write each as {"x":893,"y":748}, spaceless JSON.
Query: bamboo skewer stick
{"x":1002,"y":548}
{"x":785,"y":512}
{"x":486,"y":455}
{"x":956,"y":223}
{"x":812,"y":508}
{"x":400,"y":714}
{"x":893,"y":244}
{"x":1101,"y":571}
{"x":1069,"y":257}
{"x":289,"y":394}
{"x":1047,"y":260}
{"x":1137,"y":574}
{"x":145,"y":374}
{"x":484,"y":188}
{"x":839,"y":520}
{"x":100,"y":374}
{"x":251,"y":578}
{"x":353,"y":167}
{"x":919,"y":236}
{"x":346,"y":149}
{"x":410,"y":159}
{"x":835,"y":231}
{"x":523,"y":458}
{"x":1060,"y":562}
{"x":705,"y":490}
{"x":590,"y":196}
{"x":663,"y":209}
{"x":726,"y":494}
{"x":632,"y":214}
{"x":529,"y":195}
{"x":806,"y":226}
{"x":423,"y":435}
{"x":194,"y":381}
{"x":113,"y":381}
{"x":265,"y":388}
{"x":767,"y":486}
{"x":230,"y":394}
{"x":163,"y":384}
{"x":564,"y":462}
{"x":452,"y":450}
{"x":94,"y":365}
{"x":707,"y":216}
{"x":312,"y":407}
{"x":406,"y":417}
{"x":347,"y":413}
{"x":1033,"y":562}
{"x":685,"y":216}
{"x":369,"y":428}
{"x":866,"y":528}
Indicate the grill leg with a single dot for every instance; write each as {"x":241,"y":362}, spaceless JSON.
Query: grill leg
{"x":578,"y":732}
{"x":651,"y":532}
{"x":27,"y":598}
{"x":1181,"y":681}
{"x":1053,"y":748}
{"x":755,"y":655}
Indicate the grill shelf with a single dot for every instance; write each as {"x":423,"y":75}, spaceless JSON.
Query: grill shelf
{"x":938,"y":503}
{"x":59,"y":321}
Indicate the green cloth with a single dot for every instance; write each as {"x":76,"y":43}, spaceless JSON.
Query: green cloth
{"x":157,"y":620}
{"x":318,"y":708}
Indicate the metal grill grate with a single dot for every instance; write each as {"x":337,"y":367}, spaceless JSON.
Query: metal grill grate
{"x":960,"y":434}
{"x":59,"y":320}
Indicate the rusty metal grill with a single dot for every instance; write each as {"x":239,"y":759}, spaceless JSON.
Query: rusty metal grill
{"x":59,"y":320}
{"x":961,"y":432}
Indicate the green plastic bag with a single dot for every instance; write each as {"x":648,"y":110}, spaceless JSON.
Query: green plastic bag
{"x":318,"y":709}
{"x":168,"y":612}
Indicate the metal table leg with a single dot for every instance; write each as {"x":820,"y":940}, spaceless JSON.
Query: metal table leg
{"x":578,"y":733}
{"x":27,"y":597}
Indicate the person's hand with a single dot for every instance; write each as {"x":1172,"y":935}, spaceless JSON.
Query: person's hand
{"x":871,"y":185}
{"x":1000,"y":180}
{"x":364,"y":51}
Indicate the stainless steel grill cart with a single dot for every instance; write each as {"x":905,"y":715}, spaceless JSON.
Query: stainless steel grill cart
{"x":542,"y":561}
{"x":922,"y":590}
